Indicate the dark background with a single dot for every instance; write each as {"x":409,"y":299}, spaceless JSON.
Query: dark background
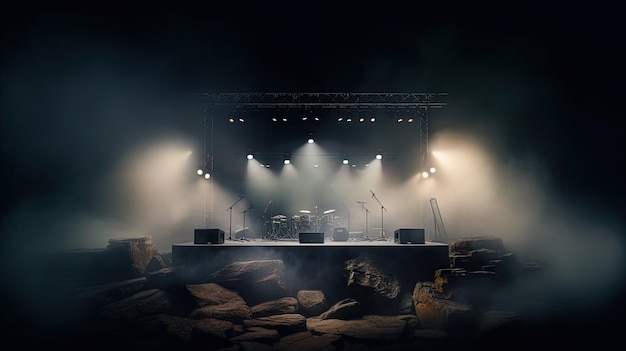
{"x":545,"y":78}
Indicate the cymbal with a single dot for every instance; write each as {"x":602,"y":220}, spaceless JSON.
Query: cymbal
{"x":329,"y":211}
{"x":304,"y":211}
{"x":279,"y":217}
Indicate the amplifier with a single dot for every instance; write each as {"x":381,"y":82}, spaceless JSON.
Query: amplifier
{"x":340,"y":234}
{"x":208,"y":236}
{"x":409,"y":236}
{"x":311,"y":237}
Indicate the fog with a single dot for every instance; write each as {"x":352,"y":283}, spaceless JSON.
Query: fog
{"x":99,"y":143}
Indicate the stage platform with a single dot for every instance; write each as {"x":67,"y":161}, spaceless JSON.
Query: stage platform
{"x":196,"y":262}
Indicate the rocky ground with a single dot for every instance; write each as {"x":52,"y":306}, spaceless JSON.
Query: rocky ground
{"x":248,"y":305}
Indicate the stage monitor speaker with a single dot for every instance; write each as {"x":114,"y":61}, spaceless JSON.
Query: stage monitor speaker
{"x":409,"y":236}
{"x":208,"y":236}
{"x":311,"y":237}
{"x":340,"y":234}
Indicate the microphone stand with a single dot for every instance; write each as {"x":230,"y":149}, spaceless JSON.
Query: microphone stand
{"x":230,"y":228}
{"x":382,"y":212}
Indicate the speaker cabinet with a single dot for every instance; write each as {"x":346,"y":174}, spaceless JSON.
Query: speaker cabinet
{"x":340,"y":234}
{"x":409,"y":236}
{"x":311,"y":237}
{"x":208,"y":236}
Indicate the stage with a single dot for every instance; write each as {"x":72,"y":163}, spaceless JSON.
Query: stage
{"x":196,"y":262}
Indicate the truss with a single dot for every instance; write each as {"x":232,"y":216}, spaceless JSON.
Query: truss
{"x":323,"y":100}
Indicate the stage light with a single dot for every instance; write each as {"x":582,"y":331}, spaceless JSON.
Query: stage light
{"x":432,"y":170}
{"x":310,"y":141}
{"x":349,"y":120}
{"x":373,"y":119}
{"x":250,"y":156}
{"x":410,"y":120}
{"x":231,"y":120}
{"x":287,"y":158}
{"x":207,"y":176}
{"x":200,"y":171}
{"x":425,"y":174}
{"x":361,"y":119}
{"x":400,"y":120}
{"x":339,"y":119}
{"x":345,"y":161}
{"x":379,"y":156}
{"x":284,"y":119}
{"x":274,"y":119}
{"x":241,"y":120}
{"x":286,"y":161}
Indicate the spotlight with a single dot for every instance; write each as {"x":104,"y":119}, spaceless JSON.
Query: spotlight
{"x":379,"y":156}
{"x":400,"y":120}
{"x":373,"y":119}
{"x":424,"y":174}
{"x":200,"y":171}
{"x":339,"y":119}
{"x":310,"y":141}
{"x":432,"y":170}
{"x":349,"y":120}
{"x":286,"y":161}
{"x":410,"y":120}
{"x":207,"y":176}
{"x":345,"y":161}
{"x":241,"y":120}
{"x":274,"y":119}
{"x":361,"y":119}
{"x":231,"y":120}
{"x":250,"y":156}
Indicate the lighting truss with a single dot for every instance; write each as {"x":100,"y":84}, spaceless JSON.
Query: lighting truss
{"x":322,"y":100}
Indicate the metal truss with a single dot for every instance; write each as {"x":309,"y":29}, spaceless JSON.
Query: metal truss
{"x":323,"y":100}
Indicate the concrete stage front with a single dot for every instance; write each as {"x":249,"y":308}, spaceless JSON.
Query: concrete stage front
{"x":310,"y":261}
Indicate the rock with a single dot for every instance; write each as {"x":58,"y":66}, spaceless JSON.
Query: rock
{"x":372,"y":281}
{"x":370,"y":327}
{"x":135,"y":253}
{"x":281,"y":306}
{"x":465,"y":245}
{"x":312,"y":302}
{"x":283,"y":323}
{"x":257,"y":281}
{"x":305,"y":341}
{"x":111,"y":292}
{"x":235,"y":311}
{"x":144,"y":303}
{"x":434,"y":311}
{"x":213,"y":294}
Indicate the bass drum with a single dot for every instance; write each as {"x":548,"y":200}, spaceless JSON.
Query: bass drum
{"x":305,"y":224}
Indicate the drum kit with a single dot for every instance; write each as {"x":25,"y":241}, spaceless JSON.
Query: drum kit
{"x":284,"y":227}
